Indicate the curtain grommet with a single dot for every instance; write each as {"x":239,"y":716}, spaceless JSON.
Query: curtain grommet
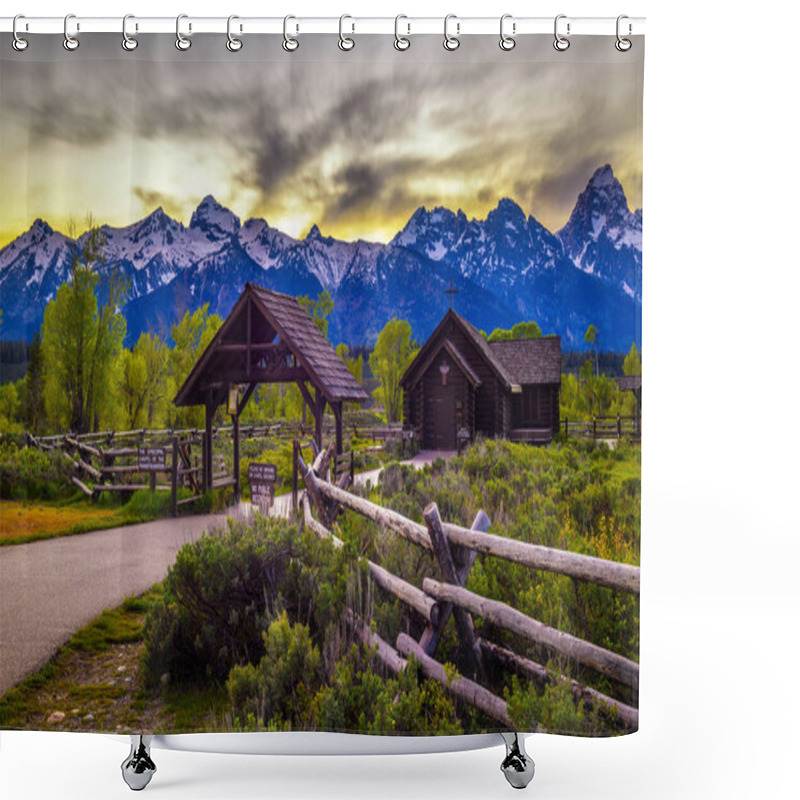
{"x":451,"y":43}
{"x":183,"y":43}
{"x":561,"y":43}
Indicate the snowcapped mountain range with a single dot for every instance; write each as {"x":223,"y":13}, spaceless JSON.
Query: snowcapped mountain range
{"x":507,"y":268}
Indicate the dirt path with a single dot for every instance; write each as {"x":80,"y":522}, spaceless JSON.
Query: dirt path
{"x":49,"y":589}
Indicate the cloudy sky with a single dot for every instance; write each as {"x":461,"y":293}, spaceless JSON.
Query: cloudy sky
{"x":353,"y":144}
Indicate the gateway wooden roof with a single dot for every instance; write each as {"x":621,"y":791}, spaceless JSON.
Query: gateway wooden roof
{"x":269,"y":338}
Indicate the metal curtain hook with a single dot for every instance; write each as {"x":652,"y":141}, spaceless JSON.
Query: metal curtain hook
{"x":401,"y":42}
{"x":19,"y":44}
{"x":345,"y":42}
{"x":290,"y":44}
{"x":70,"y":42}
{"x":128,"y":42}
{"x":233,"y":44}
{"x":507,"y":42}
{"x":560,"y":43}
{"x":451,"y":42}
{"x":181,"y":41}
{"x":623,"y":45}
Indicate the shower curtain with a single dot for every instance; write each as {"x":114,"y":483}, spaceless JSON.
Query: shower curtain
{"x":321,"y":384}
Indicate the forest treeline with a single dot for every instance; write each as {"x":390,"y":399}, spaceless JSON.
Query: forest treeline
{"x":80,"y":377}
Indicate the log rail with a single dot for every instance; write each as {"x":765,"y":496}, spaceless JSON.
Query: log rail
{"x":455,"y":549}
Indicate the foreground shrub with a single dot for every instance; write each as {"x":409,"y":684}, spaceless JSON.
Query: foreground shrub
{"x":30,"y":474}
{"x":278,"y":691}
{"x":223,"y":591}
{"x":288,"y":691}
{"x":553,"y":709}
{"x":358,"y":698}
{"x":217,"y":599}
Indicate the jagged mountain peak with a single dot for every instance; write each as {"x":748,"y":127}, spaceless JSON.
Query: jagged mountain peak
{"x":508,"y":214}
{"x":509,"y":263}
{"x":40,"y":228}
{"x":603,"y":176}
{"x":315,"y":235}
{"x":214,"y":219}
{"x":602,"y":236}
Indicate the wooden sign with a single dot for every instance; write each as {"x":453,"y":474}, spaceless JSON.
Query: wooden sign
{"x":152,"y":459}
{"x":262,"y":479}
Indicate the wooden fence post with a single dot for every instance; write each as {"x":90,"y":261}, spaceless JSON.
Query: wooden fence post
{"x":175,"y":463}
{"x":619,"y":427}
{"x":441,"y":550}
{"x":594,"y":428}
{"x":463,"y":559}
{"x":295,"y":454}
{"x":237,"y":486}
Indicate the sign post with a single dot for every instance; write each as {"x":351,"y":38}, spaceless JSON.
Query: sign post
{"x":262,"y":479}
{"x":152,"y":460}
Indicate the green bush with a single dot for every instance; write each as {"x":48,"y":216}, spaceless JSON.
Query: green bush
{"x":218,"y":596}
{"x":223,"y":590}
{"x":358,"y":698}
{"x":552,"y":709}
{"x":278,"y":692}
{"x":30,"y":474}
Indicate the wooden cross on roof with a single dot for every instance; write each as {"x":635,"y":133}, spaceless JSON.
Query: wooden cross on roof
{"x":451,"y":291}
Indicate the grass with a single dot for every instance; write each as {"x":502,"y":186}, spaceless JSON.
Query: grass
{"x":84,"y":678}
{"x":27,"y":522}
{"x":198,"y":709}
{"x":85,"y":682}
{"x":22,"y":522}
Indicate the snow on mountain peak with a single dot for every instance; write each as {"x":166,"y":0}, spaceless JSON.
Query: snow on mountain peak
{"x":315,"y":235}
{"x":214,"y":219}
{"x":40,"y":228}
{"x":602,"y":236}
{"x":603,"y":176}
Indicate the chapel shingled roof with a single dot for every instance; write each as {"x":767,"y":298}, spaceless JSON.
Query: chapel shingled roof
{"x":515,"y":363}
{"x":530,"y":360}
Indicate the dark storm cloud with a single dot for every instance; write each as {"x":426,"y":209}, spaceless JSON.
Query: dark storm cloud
{"x":377,"y":136}
{"x":361,"y":185}
{"x":152,"y":199}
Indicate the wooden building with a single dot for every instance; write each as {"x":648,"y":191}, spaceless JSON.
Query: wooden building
{"x":462,"y":385}
{"x":267,"y":338}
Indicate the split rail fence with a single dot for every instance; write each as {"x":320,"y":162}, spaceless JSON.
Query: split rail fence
{"x":597,"y":428}
{"x":110,"y":461}
{"x":127,"y":461}
{"x":455,"y":549}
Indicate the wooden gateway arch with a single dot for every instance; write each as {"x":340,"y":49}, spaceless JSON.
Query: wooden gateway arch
{"x":267,"y":338}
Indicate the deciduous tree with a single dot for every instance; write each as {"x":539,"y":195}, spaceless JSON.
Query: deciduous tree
{"x":394,"y":351}
{"x":82,"y":337}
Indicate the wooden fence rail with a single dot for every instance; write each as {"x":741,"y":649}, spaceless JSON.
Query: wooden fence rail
{"x":455,"y":549}
{"x":614,"y":575}
{"x":608,"y":428}
{"x":611,"y":664}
